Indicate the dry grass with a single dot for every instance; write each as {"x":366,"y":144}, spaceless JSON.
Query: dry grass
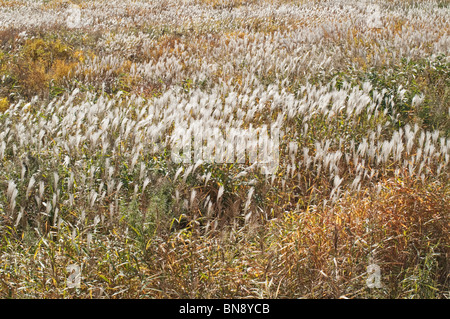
{"x":86,"y":175}
{"x":317,"y":253}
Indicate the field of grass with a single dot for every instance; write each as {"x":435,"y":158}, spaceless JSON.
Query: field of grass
{"x":92,"y":94}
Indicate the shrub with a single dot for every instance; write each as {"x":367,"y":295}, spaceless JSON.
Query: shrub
{"x":44,"y":66}
{"x":3,"y":104}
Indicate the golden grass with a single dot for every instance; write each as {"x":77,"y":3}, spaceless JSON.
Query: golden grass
{"x":4,"y":104}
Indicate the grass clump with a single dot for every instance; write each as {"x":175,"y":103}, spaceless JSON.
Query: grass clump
{"x":4,"y":104}
{"x":41,"y":67}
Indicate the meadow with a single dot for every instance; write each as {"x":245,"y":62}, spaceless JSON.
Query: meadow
{"x":354,"y":94}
